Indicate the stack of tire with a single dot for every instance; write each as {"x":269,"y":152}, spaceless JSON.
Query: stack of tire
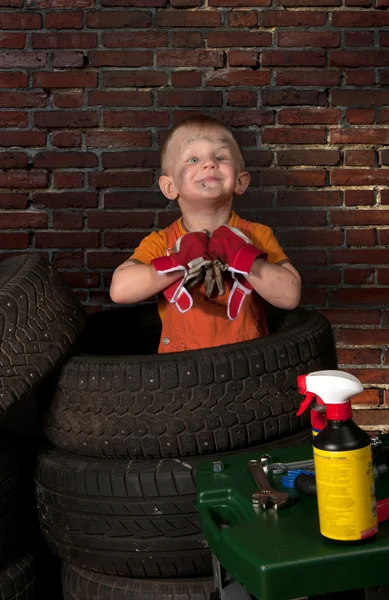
{"x":128,"y":427}
{"x":40,"y":320}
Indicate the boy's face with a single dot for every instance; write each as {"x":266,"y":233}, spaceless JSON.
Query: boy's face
{"x":203,"y":165}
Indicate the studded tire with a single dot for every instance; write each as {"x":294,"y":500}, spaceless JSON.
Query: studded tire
{"x":132,"y":518}
{"x":40,"y":320}
{"x":187,"y":403}
{"x":81,"y":584}
{"x":18,"y":579}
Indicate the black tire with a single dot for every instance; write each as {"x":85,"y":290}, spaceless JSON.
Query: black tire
{"x":80,"y":584}
{"x":14,"y":509}
{"x":187,"y":403}
{"x":134,"y":519}
{"x":18,"y":579}
{"x":40,"y":320}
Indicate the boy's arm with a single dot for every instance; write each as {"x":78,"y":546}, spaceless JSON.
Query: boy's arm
{"x":279,"y":284}
{"x":134,"y":281}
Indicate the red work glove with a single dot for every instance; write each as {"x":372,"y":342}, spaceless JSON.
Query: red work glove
{"x":234,"y":249}
{"x":189,"y":256}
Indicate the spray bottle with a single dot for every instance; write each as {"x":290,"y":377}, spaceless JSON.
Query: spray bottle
{"x":318,"y":407}
{"x":343,"y":462}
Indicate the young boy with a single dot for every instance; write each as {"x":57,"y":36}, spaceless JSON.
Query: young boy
{"x":202,"y":168}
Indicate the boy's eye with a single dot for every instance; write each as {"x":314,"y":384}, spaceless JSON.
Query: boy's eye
{"x":221,"y":158}
{"x":193,"y":159}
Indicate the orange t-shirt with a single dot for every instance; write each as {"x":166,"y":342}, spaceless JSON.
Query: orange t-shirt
{"x":156,"y":245}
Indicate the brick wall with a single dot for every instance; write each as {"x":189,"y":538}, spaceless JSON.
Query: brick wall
{"x":89,"y":89}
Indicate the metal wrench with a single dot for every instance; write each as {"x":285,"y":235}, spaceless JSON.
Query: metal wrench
{"x":265,"y":495}
{"x":279,"y":467}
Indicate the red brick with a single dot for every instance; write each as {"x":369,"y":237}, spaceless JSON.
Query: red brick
{"x":189,"y":58}
{"x":187,"y":39}
{"x":23,"y":179}
{"x":118,"y":139}
{"x":293,"y":58}
{"x":296,"y":178}
{"x":186,"y":79}
{"x":131,"y":160}
{"x":62,"y":60}
{"x":13,"y":118}
{"x":359,"y":276}
{"x":135,"y":39}
{"x":241,"y":77}
{"x":308,"y":38}
{"x":81,"y":279}
{"x":360,"y":217}
{"x":293,"y":97}
{"x":66,"y":200}
{"x":312,"y":237}
{"x":22,"y":138}
{"x":359,"y":58}
{"x":384,"y":37}
{"x":302,"y":198}
{"x":368,"y":135}
{"x":352,"y":316}
{"x":246,"y":118}
{"x":360,"y":98}
{"x":61,"y":20}
{"x":366,"y":18}
{"x":12,"y":40}
{"x":188,"y":18}
{"x":140,"y":3}
{"x":384,"y":157}
{"x":374,"y":256}
{"x":243,"y":18}
{"x":191,"y":98}
{"x":357,"y":158}
{"x":185,"y":3}
{"x":383,"y":236}
{"x":358,"y":197}
{"x":360,"y":116}
{"x":361,"y":356}
{"x":313,"y":297}
{"x":384,"y":77}
{"x":68,"y":260}
{"x":385,"y":197}
{"x":11,"y":3}
{"x":369,"y":396}
{"x":125,"y":239}
{"x":120,"y":179}
{"x":319,"y":277}
{"x":285,"y":135}
{"x":69,"y":79}
{"x":66,"y":160}
{"x":121,"y":58}
{"x":239,"y":39}
{"x":308,"y":257}
{"x":383,"y":276}
{"x":60,"y":239}
{"x":361,"y":77}
{"x":116,"y":19}
{"x":134,"y":118}
{"x":242,"y":98}
{"x":308,"y":157}
{"x":70,"y":99}
{"x":67,"y":220}
{"x":67,"y":4}
{"x":114,"y":98}
{"x":68,"y":179}
{"x":120,"y":219}
{"x":66,"y":139}
{"x":308,"y":116}
{"x":242,"y":58}
{"x":382,"y":3}
{"x":360,"y":177}
{"x":359,"y":38}
{"x":23,"y":99}
{"x":147,"y":199}
{"x":23,"y":220}
{"x":237,"y":3}
{"x":14,"y":241}
{"x":24,"y":60}
{"x":310,"y":3}
{"x":363,"y":337}
{"x":135,"y":78}
{"x":58,"y":119}
{"x":13,"y":160}
{"x":20,"y":20}
{"x":307,"y":78}
{"x":62,"y":39}
{"x":358,"y":3}
{"x":13,"y":79}
{"x":289,"y":18}
{"x":11,"y":201}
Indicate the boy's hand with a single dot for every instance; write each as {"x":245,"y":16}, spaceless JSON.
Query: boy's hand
{"x":190,"y":256}
{"x":234,"y":249}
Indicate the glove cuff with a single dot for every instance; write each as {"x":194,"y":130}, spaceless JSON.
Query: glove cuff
{"x":245,"y":258}
{"x":167,"y":264}
{"x":177,"y":294}
{"x":240,"y":290}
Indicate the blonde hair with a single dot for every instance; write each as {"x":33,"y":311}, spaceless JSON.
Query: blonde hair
{"x":200,"y":122}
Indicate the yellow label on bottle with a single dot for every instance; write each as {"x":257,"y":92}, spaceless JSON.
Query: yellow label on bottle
{"x":346,"y":494}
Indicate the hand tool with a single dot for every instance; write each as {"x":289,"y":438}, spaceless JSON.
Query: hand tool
{"x":278,"y":468}
{"x":266,"y":495}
